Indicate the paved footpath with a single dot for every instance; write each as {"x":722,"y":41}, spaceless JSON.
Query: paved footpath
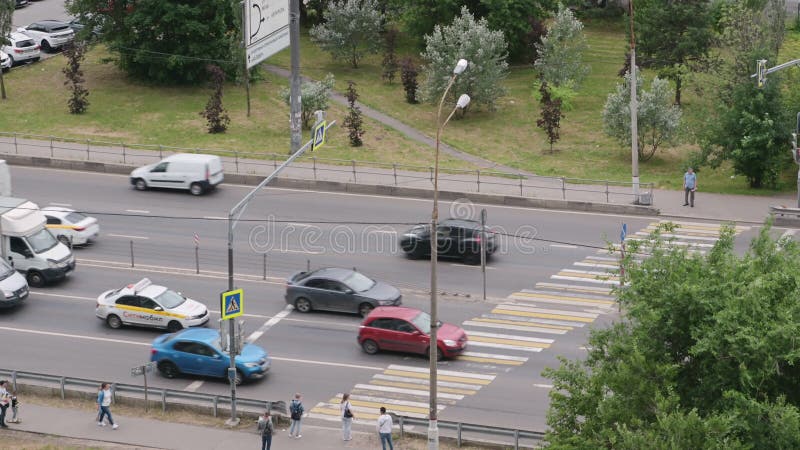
{"x":150,"y":433}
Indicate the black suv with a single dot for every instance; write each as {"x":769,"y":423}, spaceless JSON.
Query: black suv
{"x":456,"y":238}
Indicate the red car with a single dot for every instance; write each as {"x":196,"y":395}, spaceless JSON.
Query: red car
{"x":402,"y":329}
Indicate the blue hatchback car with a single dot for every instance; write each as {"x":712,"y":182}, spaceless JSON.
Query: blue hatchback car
{"x":197,"y":351}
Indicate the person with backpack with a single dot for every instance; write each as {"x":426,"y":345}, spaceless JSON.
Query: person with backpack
{"x":266,"y":428}
{"x":296,"y":410}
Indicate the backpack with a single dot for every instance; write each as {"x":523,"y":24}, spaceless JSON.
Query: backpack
{"x":297,"y":410}
{"x":266,"y":427}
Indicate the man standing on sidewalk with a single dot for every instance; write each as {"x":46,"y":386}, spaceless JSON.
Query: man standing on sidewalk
{"x":385,"y":429}
{"x":689,"y":186}
{"x":266,"y":428}
{"x":5,"y":400}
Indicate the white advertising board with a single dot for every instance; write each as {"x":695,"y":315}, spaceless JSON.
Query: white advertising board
{"x":266,"y":29}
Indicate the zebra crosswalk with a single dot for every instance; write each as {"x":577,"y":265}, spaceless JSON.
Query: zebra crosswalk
{"x":525,"y":324}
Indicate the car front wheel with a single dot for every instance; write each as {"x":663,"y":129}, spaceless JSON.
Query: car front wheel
{"x":168,"y":369}
{"x":303,"y":305}
{"x":364,"y":309}
{"x":370,"y":347}
{"x":35,"y":279}
{"x":174,"y":326}
{"x":140,"y":184}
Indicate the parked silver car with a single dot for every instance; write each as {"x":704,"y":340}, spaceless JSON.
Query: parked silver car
{"x":21,"y":48}
{"x":337,"y":289}
{"x":49,"y":34}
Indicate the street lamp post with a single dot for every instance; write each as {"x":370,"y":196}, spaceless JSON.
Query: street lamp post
{"x":634,"y":117}
{"x":463,"y":101}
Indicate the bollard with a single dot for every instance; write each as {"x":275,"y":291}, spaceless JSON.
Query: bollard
{"x":479,"y":179}
{"x":401,"y":427}
{"x":197,"y":259}
{"x":394,"y":170}
{"x":163,"y":400}
{"x":88,"y":146}
{"x":431,"y":170}
{"x":516,"y":439}
{"x":563,"y":188}
{"x":215,"y":405}
{"x":308,"y":265}
{"x":63,"y":382}
{"x":520,"y":186}
{"x":458,"y":434}
{"x":131,"y":252}
{"x":51,"y":146}
{"x":606,"y":191}
{"x":16,"y":150}
{"x":236,"y":160}
{"x":314,"y":166}
{"x":123,"y":152}
{"x":14,"y":379}
{"x":113,"y":393}
{"x":264,"y":277}
{"x":160,"y":151}
{"x":355,"y":179}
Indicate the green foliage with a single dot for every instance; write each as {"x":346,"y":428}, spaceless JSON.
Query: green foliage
{"x":671,"y":36}
{"x":657,"y":118}
{"x":564,"y":94}
{"x":752,"y":133}
{"x":705,"y":356}
{"x":560,"y":60}
{"x":165,"y":41}
{"x":353,"y":122}
{"x":215,"y":113}
{"x":78,"y":101}
{"x":511,"y":16}
{"x":389,"y":63}
{"x":408,"y":75}
{"x":483,"y":48}
{"x":351,"y":30}
{"x":551,"y":113}
{"x":314,"y":97}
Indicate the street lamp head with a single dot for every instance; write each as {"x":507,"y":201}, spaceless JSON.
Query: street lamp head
{"x":463,"y":101}
{"x":461,"y":66}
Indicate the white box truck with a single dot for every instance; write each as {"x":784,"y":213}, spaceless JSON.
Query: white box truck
{"x":28,"y":245}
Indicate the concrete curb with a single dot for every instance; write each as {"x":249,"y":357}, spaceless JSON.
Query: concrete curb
{"x":355,"y":188}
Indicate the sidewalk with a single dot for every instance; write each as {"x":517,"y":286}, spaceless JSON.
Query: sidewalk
{"x":149,"y":433}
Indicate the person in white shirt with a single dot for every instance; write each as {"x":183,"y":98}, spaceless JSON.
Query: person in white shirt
{"x":347,"y":417}
{"x":104,"y":406}
{"x":385,"y":429}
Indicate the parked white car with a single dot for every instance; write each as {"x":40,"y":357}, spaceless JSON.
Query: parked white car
{"x":195,"y":172}
{"x":69,"y":225}
{"x":49,"y":34}
{"x":5,"y":62}
{"x":21,"y":48}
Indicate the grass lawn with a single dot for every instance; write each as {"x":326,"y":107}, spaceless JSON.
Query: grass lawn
{"x":134,"y":112}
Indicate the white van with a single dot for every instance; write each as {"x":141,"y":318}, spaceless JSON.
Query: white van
{"x":197,"y":173}
{"x":30,"y":247}
{"x":12,"y":285}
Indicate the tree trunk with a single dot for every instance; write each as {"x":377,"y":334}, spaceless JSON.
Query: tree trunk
{"x":678,"y":81}
{"x":2,"y":86}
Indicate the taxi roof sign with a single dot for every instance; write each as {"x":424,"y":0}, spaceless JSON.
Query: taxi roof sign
{"x":232,"y":304}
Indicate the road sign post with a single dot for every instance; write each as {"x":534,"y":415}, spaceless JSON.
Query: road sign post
{"x":143,"y":370}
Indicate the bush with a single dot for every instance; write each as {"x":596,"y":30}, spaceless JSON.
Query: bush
{"x":214,"y":113}
{"x":408,"y":74}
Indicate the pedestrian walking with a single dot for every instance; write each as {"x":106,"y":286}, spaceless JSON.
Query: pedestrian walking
{"x":347,"y":417}
{"x":14,"y":408}
{"x":689,"y":187}
{"x":266,"y":428}
{"x":296,"y":410}
{"x":5,"y":401}
{"x":104,"y":405}
{"x":385,"y":429}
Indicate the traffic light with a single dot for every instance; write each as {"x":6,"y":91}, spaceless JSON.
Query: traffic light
{"x":761,"y":72}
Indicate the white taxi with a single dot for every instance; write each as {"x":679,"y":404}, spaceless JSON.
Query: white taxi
{"x":149,"y":305}
{"x":71,"y":227}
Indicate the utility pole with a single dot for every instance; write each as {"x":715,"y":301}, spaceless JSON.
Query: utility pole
{"x":634,"y":117}
{"x":295,"y":102}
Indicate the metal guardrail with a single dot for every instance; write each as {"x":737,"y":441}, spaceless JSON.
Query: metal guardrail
{"x":165,"y":395}
{"x":315,"y":168}
{"x":280,"y":407}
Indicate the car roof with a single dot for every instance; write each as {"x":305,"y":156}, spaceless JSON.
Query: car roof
{"x":190,"y":157}
{"x":333,"y":273}
{"x":206,"y":335}
{"x":143,"y":287}
{"x":394,"y":312}
{"x":17,"y":36}
{"x":51,"y":22}
{"x":461,"y":223}
{"x":57,"y":210}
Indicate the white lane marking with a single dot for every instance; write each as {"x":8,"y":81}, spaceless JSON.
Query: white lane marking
{"x":503,"y":326}
{"x":476,"y":266}
{"x":49,"y":294}
{"x":61,"y":204}
{"x":286,"y":250}
{"x":215,"y":218}
{"x":563,"y":246}
{"x":269,"y":324}
{"x":75,"y":336}
{"x":505,"y":346}
{"x":137,"y":211}
{"x":299,"y":224}
{"x":510,"y":337}
{"x":545,"y":386}
{"x":682,"y":236}
{"x":392,"y":232}
{"x":180,"y":271}
{"x":596,"y":265}
{"x":194,"y":386}
{"x":588,"y":272}
{"x":426,"y":382}
{"x":586,"y":280}
{"x":559,"y":312}
{"x":495,"y":356}
{"x":417,"y":392}
{"x":535,"y":320}
{"x":477,"y":376}
{"x":326,"y":363}
{"x":602,"y":258}
{"x":369,"y":398}
{"x":788,"y":233}
{"x":127,"y":236}
{"x":560,"y":286}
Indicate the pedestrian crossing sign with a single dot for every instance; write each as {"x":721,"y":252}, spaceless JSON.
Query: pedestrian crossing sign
{"x":232,"y":304}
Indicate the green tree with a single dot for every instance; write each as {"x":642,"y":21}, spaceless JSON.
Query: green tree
{"x":560,"y":52}
{"x":315,"y":96}
{"x":670,"y":36}
{"x":6,"y":13}
{"x":483,"y":48}
{"x":353,"y":122}
{"x":390,"y":64}
{"x":658,"y":119}
{"x":513,"y":17}
{"x":704,"y":356}
{"x":351,"y":30}
{"x":752,"y":133}
{"x":165,"y":41}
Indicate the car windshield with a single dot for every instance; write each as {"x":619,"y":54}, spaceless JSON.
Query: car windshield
{"x":75,"y":217}
{"x":41,"y":241}
{"x":359,"y":282}
{"x":423,"y":322}
{"x":170,"y":299}
{"x":5,"y":270}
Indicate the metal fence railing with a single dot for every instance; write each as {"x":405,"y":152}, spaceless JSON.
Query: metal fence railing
{"x":331,"y":169}
{"x":462,"y":431}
